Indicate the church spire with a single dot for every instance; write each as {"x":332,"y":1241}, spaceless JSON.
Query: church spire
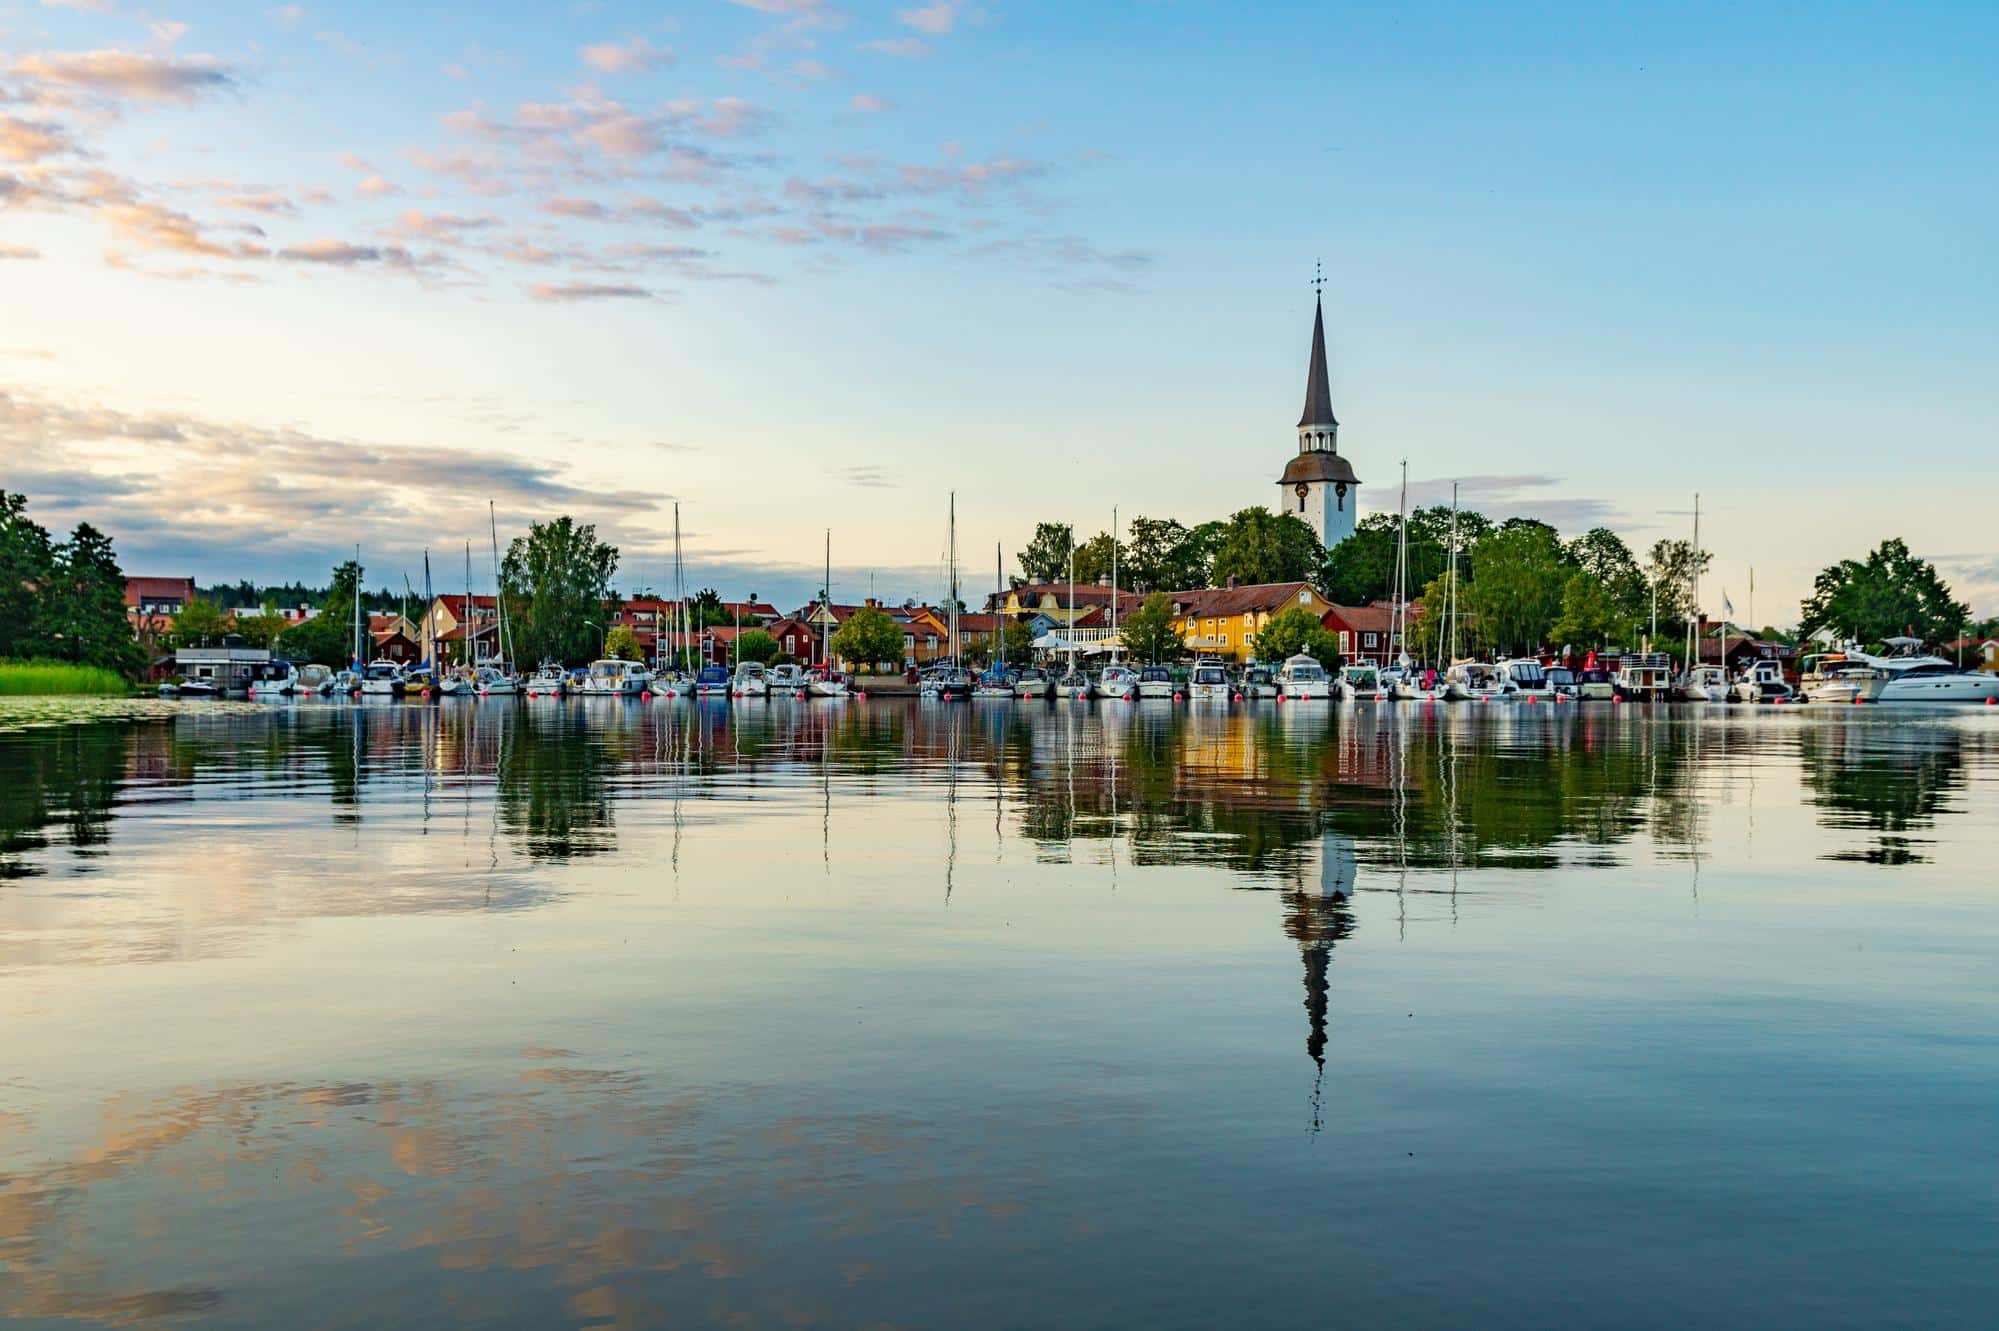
{"x":1318,"y":385}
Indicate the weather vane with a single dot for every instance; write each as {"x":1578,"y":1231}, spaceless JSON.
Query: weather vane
{"x":1318,"y":276}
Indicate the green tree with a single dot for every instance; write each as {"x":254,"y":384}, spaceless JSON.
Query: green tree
{"x":262,"y":629}
{"x":1149,"y":635}
{"x":1590,"y":615}
{"x":622,"y":644}
{"x":85,"y":605}
{"x":1093,"y":559}
{"x":27,"y":566}
{"x":1163,"y":555}
{"x":200,"y":624}
{"x":757,"y":645}
{"x":1519,"y":576}
{"x":328,"y":637}
{"x":556,"y":580}
{"x":1017,"y":643}
{"x":1891,"y":593}
{"x":1361,"y":568}
{"x":1046,"y":558}
{"x":707,"y":611}
{"x":1671,"y":567}
{"x":1258,"y":546}
{"x":1296,"y":630}
{"x":1602,"y":553}
{"x":870,"y":638}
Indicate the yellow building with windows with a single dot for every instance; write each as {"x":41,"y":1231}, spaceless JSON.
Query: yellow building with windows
{"x":1224,"y":621}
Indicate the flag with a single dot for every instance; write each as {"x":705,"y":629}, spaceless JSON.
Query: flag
{"x":1727,"y":606}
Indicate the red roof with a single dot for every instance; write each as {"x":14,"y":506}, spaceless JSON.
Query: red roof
{"x":456,"y":604}
{"x":138,"y":590}
{"x":1217,"y":602}
{"x":1378,"y":617}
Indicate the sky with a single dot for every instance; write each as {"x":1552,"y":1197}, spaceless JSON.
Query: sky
{"x":280,"y":279}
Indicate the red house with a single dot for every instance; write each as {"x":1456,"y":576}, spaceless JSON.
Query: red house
{"x":1364,"y":631}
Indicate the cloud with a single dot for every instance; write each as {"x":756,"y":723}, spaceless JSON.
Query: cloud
{"x":1073,"y":263}
{"x":1509,"y":496}
{"x":167,"y":31}
{"x":152,"y":226}
{"x":286,"y":16}
{"x":903,"y":48}
{"x":446,"y":227}
{"x":271,"y":203}
{"x":561,"y":206}
{"x":19,"y":252}
{"x":634,"y":55}
{"x":868,"y":103}
{"x":788,"y":7}
{"x":558,"y":293}
{"x":867,"y":476}
{"x":29,"y":141}
{"x":936,"y":19}
{"x":378,"y":187}
{"x":344,"y":254}
{"x":127,"y":73}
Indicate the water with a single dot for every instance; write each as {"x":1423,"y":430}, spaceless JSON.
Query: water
{"x":884,"y":1014}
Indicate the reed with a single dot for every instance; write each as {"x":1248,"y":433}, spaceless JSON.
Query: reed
{"x":31,"y":678}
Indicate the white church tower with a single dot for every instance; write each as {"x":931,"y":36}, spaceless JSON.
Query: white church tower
{"x":1319,"y":485}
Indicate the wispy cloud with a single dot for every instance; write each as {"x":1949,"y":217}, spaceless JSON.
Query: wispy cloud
{"x":127,"y":73}
{"x":563,"y":292}
{"x":867,"y":476}
{"x":634,"y":55}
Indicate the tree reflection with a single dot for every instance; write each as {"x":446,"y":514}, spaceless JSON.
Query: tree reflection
{"x":1889,"y":780}
{"x":59,"y":776}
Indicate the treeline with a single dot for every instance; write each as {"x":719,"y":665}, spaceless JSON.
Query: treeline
{"x":62,"y":600}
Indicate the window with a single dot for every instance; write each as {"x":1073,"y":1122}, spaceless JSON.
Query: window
{"x":788,"y":644}
{"x":1346,"y":643}
{"x":1369,"y":638}
{"x":1304,"y":597}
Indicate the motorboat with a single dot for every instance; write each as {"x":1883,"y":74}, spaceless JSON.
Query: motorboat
{"x":1302,"y":676}
{"x":493,"y":682}
{"x":1031,"y":682}
{"x":712,"y":682}
{"x":947,"y":683}
{"x":345,"y":682}
{"x":1208,"y":681}
{"x":382,"y":679}
{"x":548,"y":682}
{"x":1704,"y":683}
{"x":1838,"y":677}
{"x":787,"y":679}
{"x":276,"y":679}
{"x":672,"y":684}
{"x":1527,"y":680}
{"x":1406,"y":680}
{"x":1906,"y":674}
{"x":751,"y":681}
{"x":1469,"y":681}
{"x":197,"y":688}
{"x":1644,"y":677}
{"x":1594,"y":685}
{"x":1761,"y":681}
{"x":1156,"y":681}
{"x":459,"y":683}
{"x":1072,"y":684}
{"x":1361,"y":680}
{"x":612,"y":678}
{"x":1258,"y":681}
{"x":1118,"y":681}
{"x":824,"y":683}
{"x":1562,"y":682}
{"x":993,"y":684}
{"x":315,"y":679}
{"x":419,"y":679}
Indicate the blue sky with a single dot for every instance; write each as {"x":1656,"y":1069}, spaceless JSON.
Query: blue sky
{"x":283,"y":278}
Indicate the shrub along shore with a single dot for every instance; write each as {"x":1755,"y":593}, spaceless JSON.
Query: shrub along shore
{"x":29,"y":678}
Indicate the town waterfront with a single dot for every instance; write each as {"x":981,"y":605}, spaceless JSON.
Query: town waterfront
{"x":870,"y":1013}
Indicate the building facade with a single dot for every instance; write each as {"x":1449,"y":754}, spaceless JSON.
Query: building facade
{"x":1224,"y":621}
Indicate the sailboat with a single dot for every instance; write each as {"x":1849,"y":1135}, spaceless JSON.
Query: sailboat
{"x":1699,"y":683}
{"x":825,"y":682}
{"x":953,"y":680}
{"x":1401,"y":677}
{"x":504,"y":663}
{"x":458,"y":683}
{"x":675,"y":682}
{"x":1073,"y":683}
{"x":995,"y":682}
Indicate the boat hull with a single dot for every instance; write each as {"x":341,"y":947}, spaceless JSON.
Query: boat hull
{"x":1977,"y":688}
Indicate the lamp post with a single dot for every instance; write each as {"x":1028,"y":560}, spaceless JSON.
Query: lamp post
{"x":605,"y":650}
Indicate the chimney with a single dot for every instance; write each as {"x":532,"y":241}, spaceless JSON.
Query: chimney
{"x":1232,"y":582}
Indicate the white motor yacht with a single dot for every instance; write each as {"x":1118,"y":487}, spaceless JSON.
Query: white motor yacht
{"x":493,"y":682}
{"x":1302,"y":676}
{"x":383,"y":679}
{"x":1838,"y":677}
{"x":1119,"y":682}
{"x":276,"y":680}
{"x":611,"y":678}
{"x":1526,"y":680}
{"x":1209,"y":681}
{"x":1704,"y":683}
{"x":548,"y":682}
{"x":1761,"y":681}
{"x":751,"y":681}
{"x":1257,"y":681}
{"x":1361,"y":681}
{"x":1908,"y":675}
{"x":1156,"y":681}
{"x":787,"y":679}
{"x":1474,"y":681}
{"x":1032,"y":682}
{"x":1644,"y":677}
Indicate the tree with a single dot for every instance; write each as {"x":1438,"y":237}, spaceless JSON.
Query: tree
{"x":978,"y":652}
{"x":1149,"y":633}
{"x":85,"y":606}
{"x":1590,"y":615}
{"x":261,"y":629}
{"x":757,"y":645}
{"x":1258,"y":546}
{"x":1163,"y":555}
{"x":1671,"y":567}
{"x":869,"y":637}
{"x":1017,"y":644}
{"x":1519,"y":576}
{"x":328,"y":637}
{"x":1296,"y":630}
{"x":1889,"y":594}
{"x":27,"y":565}
{"x":707,"y":611}
{"x":1602,"y":553}
{"x":556,"y":580}
{"x":199,"y":623}
{"x":1093,"y":558}
{"x":1361,"y":568}
{"x":621,"y":644}
{"x":1046,"y":558}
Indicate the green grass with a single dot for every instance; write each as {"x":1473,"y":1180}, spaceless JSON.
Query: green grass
{"x":41,"y":678}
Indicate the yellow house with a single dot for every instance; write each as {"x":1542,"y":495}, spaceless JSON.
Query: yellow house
{"x":1224,"y":621}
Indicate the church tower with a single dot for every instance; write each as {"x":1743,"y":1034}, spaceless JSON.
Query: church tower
{"x":1319,"y":485}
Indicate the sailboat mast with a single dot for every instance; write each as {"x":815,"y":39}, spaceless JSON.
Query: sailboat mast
{"x":1399,"y":629}
{"x":1114,"y":638}
{"x":470,"y":624}
{"x":954,"y":577}
{"x":999,"y":599}
{"x":679,"y":590}
{"x":826,"y":611}
{"x":358,"y":659}
{"x":1454,"y":569}
{"x":429,"y":620}
{"x":505,"y":643}
{"x":1693,"y":610}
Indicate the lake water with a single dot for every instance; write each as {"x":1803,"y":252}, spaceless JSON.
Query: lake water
{"x":887,"y":1014}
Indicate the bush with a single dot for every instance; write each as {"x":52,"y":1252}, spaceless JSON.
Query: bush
{"x":31,"y":678}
